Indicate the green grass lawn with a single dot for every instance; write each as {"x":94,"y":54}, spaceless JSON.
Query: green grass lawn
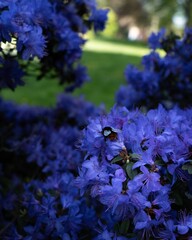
{"x":107,"y":73}
{"x":105,"y":60}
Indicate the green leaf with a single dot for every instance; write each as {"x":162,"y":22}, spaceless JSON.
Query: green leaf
{"x":124,"y":227}
{"x":169,"y":177}
{"x":190,"y":169}
{"x":22,"y":212}
{"x":178,"y":198}
{"x":188,"y":195}
{"x":187,"y":167}
{"x":131,"y":235}
{"x":159,"y":162}
{"x":135,"y":156}
{"x":117,"y":159}
{"x":130,"y":172}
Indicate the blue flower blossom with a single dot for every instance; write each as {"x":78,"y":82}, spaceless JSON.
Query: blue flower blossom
{"x":44,"y":27}
{"x":163,"y":79}
{"x":184,"y":223}
{"x":99,"y":17}
{"x":156,"y":38}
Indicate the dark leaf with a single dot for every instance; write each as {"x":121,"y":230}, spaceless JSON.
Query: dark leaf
{"x":130,"y":172}
{"x":187,"y":167}
{"x":123,"y":229}
{"x":117,"y":159}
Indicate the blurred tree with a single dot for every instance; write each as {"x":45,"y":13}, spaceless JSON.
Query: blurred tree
{"x":151,"y":14}
{"x":112,"y":27}
{"x":161,"y":12}
{"x":129,"y":13}
{"x":165,"y":10}
{"x":187,"y":7}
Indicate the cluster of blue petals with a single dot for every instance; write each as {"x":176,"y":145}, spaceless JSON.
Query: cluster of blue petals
{"x":39,"y":164}
{"x":139,"y":168}
{"x":126,"y":176}
{"x":40,"y":28}
{"x":165,"y":79}
{"x":73,"y":172}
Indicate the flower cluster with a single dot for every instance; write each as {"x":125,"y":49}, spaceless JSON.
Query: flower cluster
{"x":166,"y":80}
{"x":138,"y":166}
{"x":49,"y":30}
{"x":39,"y":162}
{"x":125,"y":175}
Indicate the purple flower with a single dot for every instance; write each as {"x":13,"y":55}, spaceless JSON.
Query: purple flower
{"x":184,"y":223}
{"x":10,"y":74}
{"x":99,"y":17}
{"x":148,"y":181}
{"x":168,"y":232}
{"x":155,"y":39}
{"x":42,"y":28}
{"x":32,"y":44}
{"x":163,"y":79}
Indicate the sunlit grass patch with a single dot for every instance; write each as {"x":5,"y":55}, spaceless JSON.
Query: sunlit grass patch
{"x":105,"y":66}
{"x":97,"y":45}
{"x":107,"y":73}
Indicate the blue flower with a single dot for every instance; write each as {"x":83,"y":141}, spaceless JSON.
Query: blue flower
{"x":99,"y":17}
{"x":11,"y":74}
{"x":168,"y":231}
{"x":163,"y":79}
{"x":55,"y":28}
{"x":148,"y":181}
{"x":32,"y":44}
{"x":184,"y":223}
{"x":155,"y":39}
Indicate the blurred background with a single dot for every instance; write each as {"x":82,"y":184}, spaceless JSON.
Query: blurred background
{"x":106,"y":54}
{"x":135,"y":19}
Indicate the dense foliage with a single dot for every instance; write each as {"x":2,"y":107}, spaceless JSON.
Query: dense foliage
{"x":164,"y":79}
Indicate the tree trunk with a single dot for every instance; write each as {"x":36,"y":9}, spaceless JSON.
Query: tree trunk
{"x":187,"y":10}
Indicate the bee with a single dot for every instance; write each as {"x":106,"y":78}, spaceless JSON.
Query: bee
{"x":108,"y":133}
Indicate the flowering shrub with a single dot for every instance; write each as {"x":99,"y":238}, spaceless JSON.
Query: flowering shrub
{"x":134,"y":183}
{"x":166,"y":80}
{"x":139,"y":168}
{"x":126,"y":175}
{"x":39,"y":161}
{"x":49,"y":30}
{"x":39,"y":146}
